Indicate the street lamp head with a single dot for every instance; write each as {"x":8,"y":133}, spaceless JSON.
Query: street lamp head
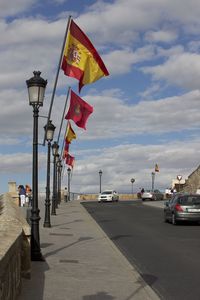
{"x":36,"y":89}
{"x":49,"y":129}
{"x":132,"y":180}
{"x":100,"y":172}
{"x":55,"y":148}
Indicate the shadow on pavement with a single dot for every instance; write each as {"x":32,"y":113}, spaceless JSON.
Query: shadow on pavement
{"x":33,"y":288}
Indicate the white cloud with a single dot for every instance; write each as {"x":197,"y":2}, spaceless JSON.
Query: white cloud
{"x":127,"y":58}
{"x":182,"y":70}
{"x":10,"y":8}
{"x":119,"y":164}
{"x":164,"y":36}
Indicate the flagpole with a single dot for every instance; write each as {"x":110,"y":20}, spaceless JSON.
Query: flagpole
{"x":61,"y":123}
{"x":57,"y":74}
{"x":61,"y":153}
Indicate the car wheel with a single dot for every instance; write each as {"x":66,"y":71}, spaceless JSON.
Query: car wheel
{"x":174,"y":221}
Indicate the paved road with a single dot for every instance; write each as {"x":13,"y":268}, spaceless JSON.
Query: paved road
{"x":166,"y":256}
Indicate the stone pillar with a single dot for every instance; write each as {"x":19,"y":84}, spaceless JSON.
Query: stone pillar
{"x":12,"y":187}
{"x":12,"y":190}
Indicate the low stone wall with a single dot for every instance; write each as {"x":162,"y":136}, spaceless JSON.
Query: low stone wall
{"x":14,"y":248}
{"x":121,"y":197}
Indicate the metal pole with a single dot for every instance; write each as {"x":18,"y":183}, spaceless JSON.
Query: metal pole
{"x":59,"y":184}
{"x":47,"y":222}
{"x":53,"y":210}
{"x":56,"y":186}
{"x":153,"y":179}
{"x":35,"y":218}
{"x":69,"y":185}
{"x":100,"y":183}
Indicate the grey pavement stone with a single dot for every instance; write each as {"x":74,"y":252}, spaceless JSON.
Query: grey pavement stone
{"x":81,"y":263}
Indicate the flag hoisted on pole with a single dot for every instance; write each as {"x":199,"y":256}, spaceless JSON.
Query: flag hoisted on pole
{"x":156,"y":168}
{"x":70,"y":134}
{"x":79,"y":110}
{"x":70,"y":160}
{"x":80,"y":58}
{"x":66,"y":150}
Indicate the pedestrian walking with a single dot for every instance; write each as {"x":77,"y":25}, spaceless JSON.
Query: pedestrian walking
{"x":22,"y":195}
{"x":28,"y":195}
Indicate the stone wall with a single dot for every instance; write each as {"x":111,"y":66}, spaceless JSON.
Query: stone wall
{"x":14,"y":248}
{"x":193,"y":182}
{"x":94,"y":197}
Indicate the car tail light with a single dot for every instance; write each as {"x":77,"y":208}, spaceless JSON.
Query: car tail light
{"x":178,"y":207}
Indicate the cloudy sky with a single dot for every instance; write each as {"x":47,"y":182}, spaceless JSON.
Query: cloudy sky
{"x":146,"y":112}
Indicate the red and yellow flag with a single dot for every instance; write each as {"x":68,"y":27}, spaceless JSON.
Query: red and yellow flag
{"x":66,"y":150}
{"x":80,"y":59}
{"x":70,"y":134}
{"x":70,"y":160}
{"x":79,"y":110}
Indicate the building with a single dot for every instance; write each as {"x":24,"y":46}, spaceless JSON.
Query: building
{"x":192,"y":184}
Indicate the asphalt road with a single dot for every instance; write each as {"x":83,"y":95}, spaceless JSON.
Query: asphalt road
{"x":166,"y":256}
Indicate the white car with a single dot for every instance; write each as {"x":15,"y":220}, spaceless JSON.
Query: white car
{"x":109,"y":195}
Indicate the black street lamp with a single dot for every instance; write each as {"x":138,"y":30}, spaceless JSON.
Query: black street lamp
{"x":49,"y":130}
{"x":57,"y":179}
{"x":100,"y":175}
{"x":36,"y":90}
{"x":54,"y":147}
{"x":132,"y":181}
{"x":153,"y":180}
{"x":69,"y":173}
{"x":59,"y":168}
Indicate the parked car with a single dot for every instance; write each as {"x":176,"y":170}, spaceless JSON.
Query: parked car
{"x":149,"y":195}
{"x":109,"y":195}
{"x":182,"y":207}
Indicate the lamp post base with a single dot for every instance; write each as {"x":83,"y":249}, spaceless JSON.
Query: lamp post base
{"x":37,"y":257}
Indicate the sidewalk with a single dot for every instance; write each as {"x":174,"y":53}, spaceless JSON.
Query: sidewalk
{"x":81,"y":263}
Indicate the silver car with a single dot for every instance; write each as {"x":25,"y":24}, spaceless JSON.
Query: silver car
{"x":182,"y":207}
{"x":149,"y":195}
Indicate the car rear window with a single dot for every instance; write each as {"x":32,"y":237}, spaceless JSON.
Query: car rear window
{"x":189,"y":200}
{"x":107,"y":193}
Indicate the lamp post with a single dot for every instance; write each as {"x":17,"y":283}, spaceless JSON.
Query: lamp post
{"x":100,"y":175}
{"x":69,"y":173}
{"x":49,"y":130}
{"x":56,"y":180}
{"x":153,"y":180}
{"x":36,"y":90}
{"x":54,"y":147}
{"x":132,"y":181}
{"x":59,"y":168}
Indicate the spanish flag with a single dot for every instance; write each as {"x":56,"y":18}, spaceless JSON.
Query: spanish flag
{"x":80,"y":58}
{"x":156,"y":168}
{"x":70,"y":134}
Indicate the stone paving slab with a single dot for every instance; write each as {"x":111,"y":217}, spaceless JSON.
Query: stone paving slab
{"x":81,"y":263}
